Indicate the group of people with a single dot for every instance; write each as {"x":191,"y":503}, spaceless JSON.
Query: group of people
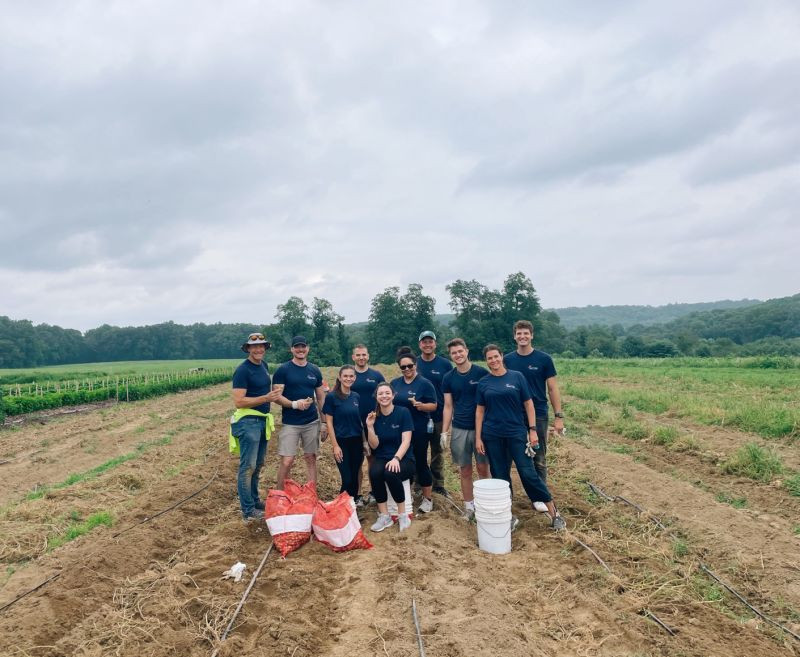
{"x":492,"y":416}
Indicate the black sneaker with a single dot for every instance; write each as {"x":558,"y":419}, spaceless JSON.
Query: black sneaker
{"x":259,"y":505}
{"x":441,"y":490}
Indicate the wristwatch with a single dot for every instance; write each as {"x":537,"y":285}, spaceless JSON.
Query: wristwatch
{"x":533,"y":428}
{"x":559,"y":414}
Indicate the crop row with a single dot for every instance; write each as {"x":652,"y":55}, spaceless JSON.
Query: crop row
{"x":120,"y":390}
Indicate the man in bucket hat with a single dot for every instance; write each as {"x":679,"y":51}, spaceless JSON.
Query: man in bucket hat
{"x":252,"y":397}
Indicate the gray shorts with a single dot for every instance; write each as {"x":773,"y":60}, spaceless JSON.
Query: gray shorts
{"x":291,"y":436}
{"x":462,"y":447}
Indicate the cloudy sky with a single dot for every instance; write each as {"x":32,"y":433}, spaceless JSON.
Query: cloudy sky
{"x":204,"y":161}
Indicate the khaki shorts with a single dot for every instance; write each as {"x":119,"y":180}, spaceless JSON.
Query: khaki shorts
{"x":462,"y":447}
{"x":291,"y":436}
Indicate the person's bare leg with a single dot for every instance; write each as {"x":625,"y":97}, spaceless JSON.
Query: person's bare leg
{"x":483,"y":470}
{"x":466,"y":483}
{"x":284,"y":468}
{"x":311,"y":466}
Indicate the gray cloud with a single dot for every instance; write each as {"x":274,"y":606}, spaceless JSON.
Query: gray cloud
{"x":178,"y":162}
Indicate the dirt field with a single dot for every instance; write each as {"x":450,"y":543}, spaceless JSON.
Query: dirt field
{"x":156,"y":589}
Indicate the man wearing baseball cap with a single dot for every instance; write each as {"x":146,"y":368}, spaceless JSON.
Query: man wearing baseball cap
{"x":433,"y":368}
{"x":299,"y":383}
{"x":251,"y":397}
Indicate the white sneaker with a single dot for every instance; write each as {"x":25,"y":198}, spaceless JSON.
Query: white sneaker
{"x":541,"y":507}
{"x":403,"y":521}
{"x":383,"y":522}
{"x":426,"y":506}
{"x":514,"y":523}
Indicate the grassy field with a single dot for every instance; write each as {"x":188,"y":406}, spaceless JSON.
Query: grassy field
{"x":741,"y":393}
{"x":101,"y":370}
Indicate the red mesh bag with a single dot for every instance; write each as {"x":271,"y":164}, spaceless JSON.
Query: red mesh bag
{"x":288,"y":513}
{"x":336,"y":525}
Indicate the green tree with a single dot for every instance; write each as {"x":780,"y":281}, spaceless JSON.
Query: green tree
{"x":292,"y":319}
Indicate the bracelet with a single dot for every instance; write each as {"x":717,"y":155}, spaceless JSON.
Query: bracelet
{"x":294,"y":405}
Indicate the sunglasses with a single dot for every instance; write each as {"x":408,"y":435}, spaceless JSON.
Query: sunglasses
{"x":410,"y":366}
{"x":256,"y":336}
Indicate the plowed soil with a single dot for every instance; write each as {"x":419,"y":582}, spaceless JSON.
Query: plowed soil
{"x":156,"y":589}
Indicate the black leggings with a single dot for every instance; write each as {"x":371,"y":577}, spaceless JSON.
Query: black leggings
{"x":380,"y":477}
{"x":419,"y":443}
{"x":350,"y":467}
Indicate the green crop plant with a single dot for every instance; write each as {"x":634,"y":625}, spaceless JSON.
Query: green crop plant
{"x":735,"y":502}
{"x":792,"y":484}
{"x":665,"y":435}
{"x":753,"y":461}
{"x":77,"y":529}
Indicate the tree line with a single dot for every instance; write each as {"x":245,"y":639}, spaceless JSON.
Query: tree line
{"x":480,"y":315}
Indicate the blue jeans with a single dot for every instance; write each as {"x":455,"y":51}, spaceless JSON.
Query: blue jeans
{"x":501,"y":450}
{"x":540,"y":460}
{"x":251,"y":432}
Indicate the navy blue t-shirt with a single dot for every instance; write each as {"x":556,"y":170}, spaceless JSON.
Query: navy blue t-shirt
{"x":434,"y":370}
{"x":299,"y":383}
{"x":463,"y":388}
{"x":503,"y":399}
{"x":345,"y":413}
{"x":424,"y":392}
{"x":536,"y":367}
{"x":254,"y":379}
{"x":389,"y":430}
{"x":365,"y":385}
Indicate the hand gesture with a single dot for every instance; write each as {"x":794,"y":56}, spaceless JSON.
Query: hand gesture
{"x":479,"y":447}
{"x":371,"y":420}
{"x":443,"y":439}
{"x":271,"y":396}
{"x":337,"y":453}
{"x":393,"y":465}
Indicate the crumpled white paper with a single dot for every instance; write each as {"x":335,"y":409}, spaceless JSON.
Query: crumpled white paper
{"x":236,"y":571}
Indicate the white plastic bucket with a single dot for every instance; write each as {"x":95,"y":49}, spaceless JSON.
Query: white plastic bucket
{"x":391,"y":505}
{"x":493,"y":515}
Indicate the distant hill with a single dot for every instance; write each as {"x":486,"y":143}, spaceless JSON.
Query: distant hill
{"x":627,"y":316}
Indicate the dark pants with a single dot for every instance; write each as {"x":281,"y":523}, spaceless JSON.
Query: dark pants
{"x":251,"y":433}
{"x":501,"y":451}
{"x":540,"y":460}
{"x":419,"y":443}
{"x":350,"y":467}
{"x":380,"y":478}
{"x":437,"y":456}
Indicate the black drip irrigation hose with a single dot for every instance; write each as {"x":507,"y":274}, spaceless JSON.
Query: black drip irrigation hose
{"x":420,"y":645}
{"x":35,"y":588}
{"x":141,"y":522}
{"x":242,"y":601}
{"x":169,"y":508}
{"x":647,"y":613}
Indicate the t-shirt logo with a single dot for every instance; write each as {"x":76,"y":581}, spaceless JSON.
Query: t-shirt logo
{"x":370,"y":380}
{"x":355,"y":402}
{"x":311,"y":376}
{"x":395,"y":426}
{"x":473,"y":383}
{"x":511,"y":385}
{"x":532,"y":367}
{"x":435,"y":372}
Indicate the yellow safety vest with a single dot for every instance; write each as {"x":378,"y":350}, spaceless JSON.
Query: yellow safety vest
{"x":239,"y":413}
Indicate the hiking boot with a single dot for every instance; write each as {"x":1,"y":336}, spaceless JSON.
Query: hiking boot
{"x":541,"y":507}
{"x":360,"y":502}
{"x":426,"y":506}
{"x":259,"y":505}
{"x":252,"y":519}
{"x":403,"y":521}
{"x":469,"y":514}
{"x":514,"y":523}
{"x":558,"y":524}
{"x":370,"y":499}
{"x":441,"y":490}
{"x":384,"y":521}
